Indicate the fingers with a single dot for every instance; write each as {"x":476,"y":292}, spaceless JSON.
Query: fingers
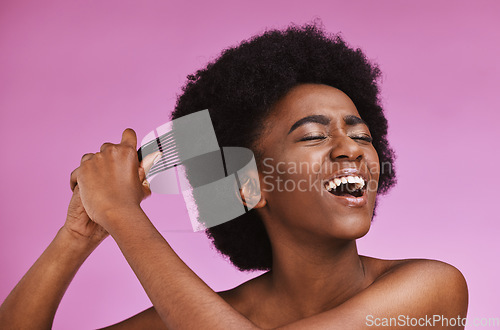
{"x":129,"y":138}
{"x":86,"y":157}
{"x":149,"y":161}
{"x":146,"y":165}
{"x":105,"y":145}
{"x":72,"y":179}
{"x":145,"y":188}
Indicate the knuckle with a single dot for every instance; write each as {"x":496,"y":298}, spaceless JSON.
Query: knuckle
{"x":72,"y":179}
{"x":110,"y":149}
{"x":87,"y":156}
{"x":97,"y":156}
{"x":105,"y":146}
{"x":74,"y":173}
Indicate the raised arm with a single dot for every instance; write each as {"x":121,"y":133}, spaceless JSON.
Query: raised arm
{"x":34,"y":300}
{"x":32,"y":304}
{"x":417,"y":293}
{"x":111,"y":193}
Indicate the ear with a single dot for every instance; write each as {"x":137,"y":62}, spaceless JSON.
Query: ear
{"x":250,"y":194}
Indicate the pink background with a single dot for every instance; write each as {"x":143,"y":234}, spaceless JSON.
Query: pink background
{"x":74,"y":74}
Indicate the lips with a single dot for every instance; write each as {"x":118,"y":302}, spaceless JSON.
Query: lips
{"x":349,"y":200}
{"x":348,"y":187}
{"x":350,"y":171}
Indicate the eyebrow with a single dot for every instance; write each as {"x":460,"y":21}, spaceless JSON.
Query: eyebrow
{"x":349,"y":120}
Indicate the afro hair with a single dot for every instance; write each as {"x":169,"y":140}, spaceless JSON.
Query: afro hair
{"x":239,"y":89}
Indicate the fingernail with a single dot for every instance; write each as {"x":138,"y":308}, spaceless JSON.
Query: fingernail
{"x":157,"y":158}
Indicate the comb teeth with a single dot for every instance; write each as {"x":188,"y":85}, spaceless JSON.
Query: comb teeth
{"x":179,"y":140}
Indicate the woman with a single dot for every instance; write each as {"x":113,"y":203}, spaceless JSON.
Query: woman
{"x":293,"y":97}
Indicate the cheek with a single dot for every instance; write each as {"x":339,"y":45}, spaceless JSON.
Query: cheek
{"x":290,"y":173}
{"x":291,"y":186}
{"x":290,"y":191}
{"x":373,"y":163}
{"x":374,"y":167}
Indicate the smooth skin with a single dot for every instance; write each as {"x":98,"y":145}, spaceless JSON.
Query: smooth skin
{"x":318,"y":280}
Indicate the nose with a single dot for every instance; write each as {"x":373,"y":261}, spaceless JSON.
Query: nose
{"x":344,"y":147}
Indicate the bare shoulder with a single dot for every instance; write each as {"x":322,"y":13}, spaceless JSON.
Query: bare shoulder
{"x":399,"y":293}
{"x":428,"y":273}
{"x":429,"y":286}
{"x":394,"y":289}
{"x":434,"y":269}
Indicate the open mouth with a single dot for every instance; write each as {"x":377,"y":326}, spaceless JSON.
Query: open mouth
{"x":354,"y":186}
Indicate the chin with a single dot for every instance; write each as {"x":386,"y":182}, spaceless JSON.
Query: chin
{"x":351,"y":227}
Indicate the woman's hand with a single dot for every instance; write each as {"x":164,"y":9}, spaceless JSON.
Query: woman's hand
{"x":109,"y":180}
{"x":79,"y":225}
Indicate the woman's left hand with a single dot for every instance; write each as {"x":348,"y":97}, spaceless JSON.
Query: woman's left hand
{"x":113,"y":179}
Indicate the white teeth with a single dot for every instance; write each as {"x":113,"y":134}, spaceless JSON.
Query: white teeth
{"x":358,"y":181}
{"x":330,"y":185}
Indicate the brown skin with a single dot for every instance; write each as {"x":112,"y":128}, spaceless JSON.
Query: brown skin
{"x":290,"y":211}
{"x":32,"y":304}
{"x":318,"y":279}
{"x":316,"y":267}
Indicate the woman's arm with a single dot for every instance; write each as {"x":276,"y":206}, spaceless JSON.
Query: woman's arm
{"x":180,"y":297}
{"x":111,"y":194}
{"x":425,"y":291}
{"x":147,"y":319}
{"x":419,"y":293}
{"x":34,"y":301}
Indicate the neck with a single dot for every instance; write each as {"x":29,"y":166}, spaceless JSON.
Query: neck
{"x":312,"y":278}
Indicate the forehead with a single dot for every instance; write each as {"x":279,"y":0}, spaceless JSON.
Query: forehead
{"x":312,"y":99}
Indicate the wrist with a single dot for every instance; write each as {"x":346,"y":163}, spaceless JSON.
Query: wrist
{"x":75,"y":242}
{"x":121,"y":216}
{"x":125,"y":220}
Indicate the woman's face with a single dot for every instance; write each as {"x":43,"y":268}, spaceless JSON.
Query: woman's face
{"x":314,"y":136}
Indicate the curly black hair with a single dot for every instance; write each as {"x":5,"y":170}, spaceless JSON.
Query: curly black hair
{"x":240,"y":87}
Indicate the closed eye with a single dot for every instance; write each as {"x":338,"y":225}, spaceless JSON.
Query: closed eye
{"x":363,"y":137}
{"x":366,"y":138}
{"x":313,"y":137}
